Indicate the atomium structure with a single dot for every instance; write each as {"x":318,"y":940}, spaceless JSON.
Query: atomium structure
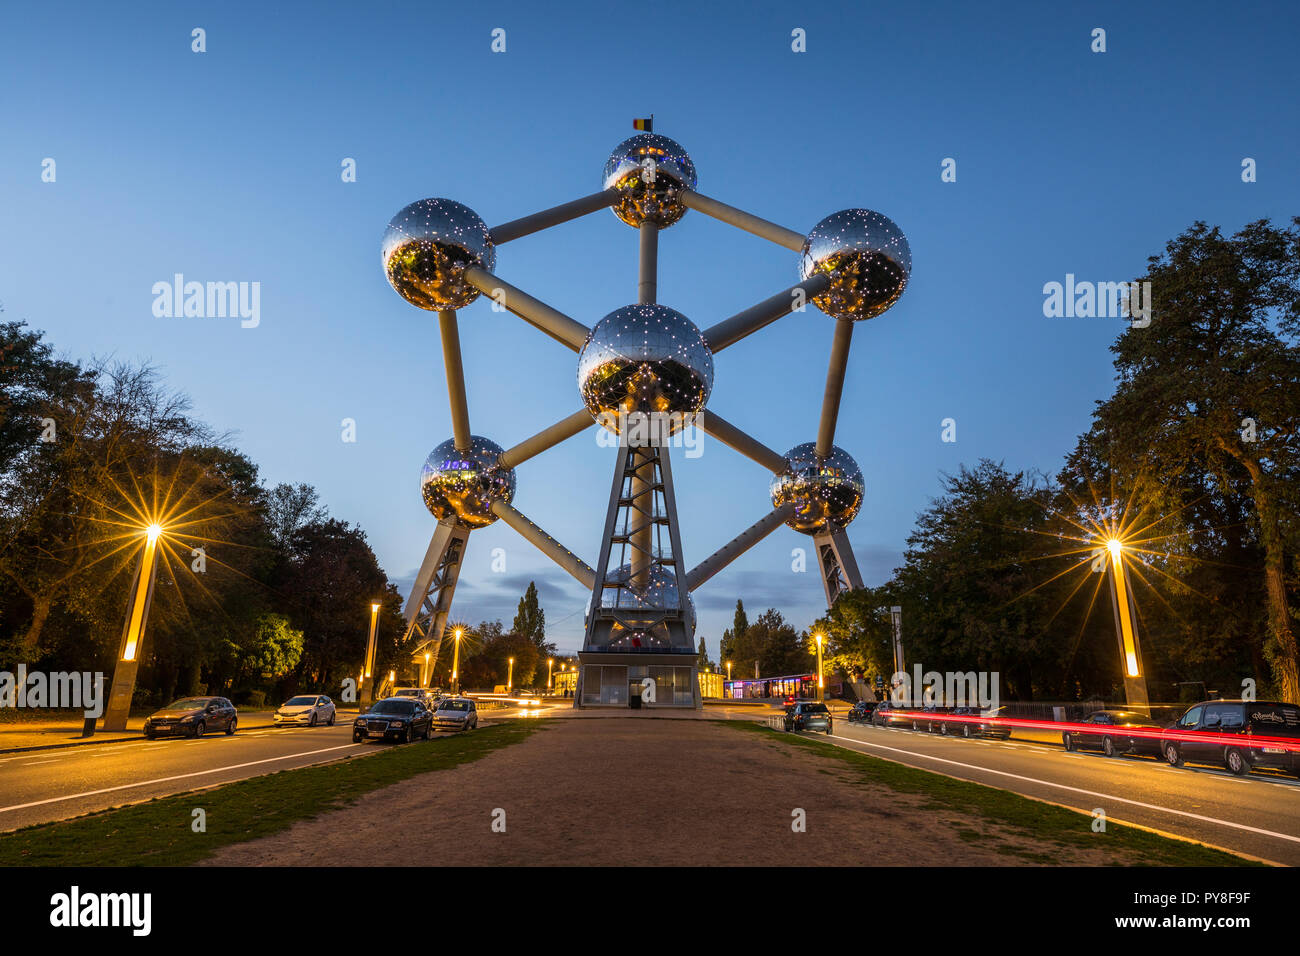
{"x":643,"y":371}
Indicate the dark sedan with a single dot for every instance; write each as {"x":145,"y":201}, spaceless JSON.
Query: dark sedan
{"x":890,"y":713}
{"x":808,"y":715}
{"x":192,"y":717}
{"x":394,"y":718}
{"x":861,"y":711}
{"x":974,"y":722}
{"x":1106,"y":733}
{"x":1241,"y":735}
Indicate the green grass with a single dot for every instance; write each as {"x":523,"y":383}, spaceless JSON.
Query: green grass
{"x":1004,"y":814}
{"x":157,"y":833}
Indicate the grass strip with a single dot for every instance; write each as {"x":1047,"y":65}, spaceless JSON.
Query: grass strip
{"x":159,"y":832}
{"x":1053,"y":828}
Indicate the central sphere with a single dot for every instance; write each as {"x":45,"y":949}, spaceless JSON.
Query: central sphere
{"x":644,"y":358}
{"x":867,"y":258}
{"x":626,"y":171}
{"x":826,"y":493}
{"x":463,"y":485}
{"x":427,"y":248}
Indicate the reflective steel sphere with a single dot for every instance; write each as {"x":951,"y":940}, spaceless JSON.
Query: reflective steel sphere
{"x":659,"y":593}
{"x":867,"y":257}
{"x":463,"y":485}
{"x":649,"y":202}
{"x":428,"y":246}
{"x":826,"y":495}
{"x":644,"y":358}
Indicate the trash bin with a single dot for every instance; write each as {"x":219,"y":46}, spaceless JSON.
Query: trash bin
{"x":634,"y":701}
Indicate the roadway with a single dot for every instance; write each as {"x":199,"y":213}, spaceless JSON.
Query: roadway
{"x":1257,"y":814}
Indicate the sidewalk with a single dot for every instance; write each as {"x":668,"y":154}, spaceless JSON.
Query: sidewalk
{"x":66,"y":732}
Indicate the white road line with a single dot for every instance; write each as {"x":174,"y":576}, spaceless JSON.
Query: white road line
{"x":1090,"y":793}
{"x":179,"y":776}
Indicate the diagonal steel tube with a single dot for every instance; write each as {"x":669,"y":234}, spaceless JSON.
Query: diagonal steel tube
{"x":455,"y":379}
{"x":556,"y":324}
{"x":742,"y":220}
{"x":731,"y":436}
{"x":732,"y":330}
{"x":834,"y":386}
{"x":527,"y":225}
{"x":738,"y":545}
{"x":544,"y":543}
{"x":548,"y":437}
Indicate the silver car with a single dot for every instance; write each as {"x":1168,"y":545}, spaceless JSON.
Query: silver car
{"x":455,"y":713}
{"x":305,"y":710}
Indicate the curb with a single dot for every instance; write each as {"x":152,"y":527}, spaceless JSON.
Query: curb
{"x":92,"y":742}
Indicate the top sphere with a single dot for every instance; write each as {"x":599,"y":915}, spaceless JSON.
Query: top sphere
{"x":826,"y":493}
{"x":428,"y":246}
{"x":867,"y":258}
{"x":644,"y":358}
{"x":463,"y":485}
{"x":631,"y":163}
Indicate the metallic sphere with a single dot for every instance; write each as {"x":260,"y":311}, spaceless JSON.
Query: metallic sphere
{"x":463,"y":485}
{"x":428,"y":246}
{"x":659,"y":593}
{"x":656,"y":201}
{"x":826,"y":494}
{"x":867,"y":258}
{"x":644,"y":358}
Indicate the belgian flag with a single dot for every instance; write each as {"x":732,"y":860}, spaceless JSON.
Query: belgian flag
{"x":647,"y":125}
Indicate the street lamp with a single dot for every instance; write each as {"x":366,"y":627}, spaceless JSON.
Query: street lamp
{"x":821,"y":686}
{"x":370,"y":649}
{"x":550,"y":665}
{"x":455,"y":662}
{"x":137,"y":615}
{"x":510,"y":676}
{"x":1121,"y":599}
{"x":425,"y":682}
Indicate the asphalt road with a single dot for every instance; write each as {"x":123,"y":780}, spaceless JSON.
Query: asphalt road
{"x":1257,"y":814}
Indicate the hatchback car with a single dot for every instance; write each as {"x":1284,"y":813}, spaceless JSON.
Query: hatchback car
{"x":455,"y":713}
{"x":306,"y":710}
{"x":808,"y":715}
{"x":1225,"y":732}
{"x":1106,"y":733}
{"x":393,"y":718}
{"x":192,"y":717}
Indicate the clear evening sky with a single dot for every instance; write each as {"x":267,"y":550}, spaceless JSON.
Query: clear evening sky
{"x":225,"y":166}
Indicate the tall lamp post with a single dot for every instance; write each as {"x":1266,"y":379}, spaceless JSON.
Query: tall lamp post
{"x":370,"y":653}
{"x":455,"y":662}
{"x":424,"y":682}
{"x":821,"y":685}
{"x":510,"y":676}
{"x":1121,"y":600}
{"x":550,"y":671}
{"x":137,"y":615}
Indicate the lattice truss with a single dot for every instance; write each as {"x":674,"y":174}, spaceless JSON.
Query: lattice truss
{"x":644,"y":371}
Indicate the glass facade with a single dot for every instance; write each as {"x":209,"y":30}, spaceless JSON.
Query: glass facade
{"x":613,"y":685}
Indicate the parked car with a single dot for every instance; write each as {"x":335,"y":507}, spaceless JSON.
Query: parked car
{"x":808,"y":715}
{"x":1106,"y":733}
{"x":890,"y":713}
{"x":394,"y":718}
{"x":455,"y":713}
{"x":306,"y":709}
{"x":1221,"y":732}
{"x":930,"y":718}
{"x":192,"y":717}
{"x":424,"y":695}
{"x":978,"y":724}
{"x":860,"y":713}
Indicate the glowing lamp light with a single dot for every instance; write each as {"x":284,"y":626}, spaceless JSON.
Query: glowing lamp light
{"x":1116,"y":548}
{"x":145,"y":579}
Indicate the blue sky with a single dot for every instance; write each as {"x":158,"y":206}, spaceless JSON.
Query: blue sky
{"x":225,"y":166}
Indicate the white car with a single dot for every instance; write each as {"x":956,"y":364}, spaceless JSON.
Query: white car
{"x":307,"y":710}
{"x":455,"y":713}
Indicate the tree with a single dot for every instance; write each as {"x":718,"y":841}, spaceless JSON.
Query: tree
{"x":733,"y":646}
{"x":1208,"y":394}
{"x":530,"y":619}
{"x":859,"y":633}
{"x":702,"y":658}
{"x":290,"y":507}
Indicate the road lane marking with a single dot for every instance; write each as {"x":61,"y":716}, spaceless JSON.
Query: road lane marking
{"x":179,"y":776}
{"x":1089,"y":793}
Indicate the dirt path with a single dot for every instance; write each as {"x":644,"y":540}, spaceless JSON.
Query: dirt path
{"x":625,"y":792}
